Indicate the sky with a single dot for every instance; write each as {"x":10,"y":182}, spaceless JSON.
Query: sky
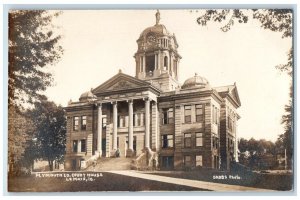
{"x":99,"y":43}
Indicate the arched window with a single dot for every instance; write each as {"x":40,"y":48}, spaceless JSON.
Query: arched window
{"x":166,"y":62}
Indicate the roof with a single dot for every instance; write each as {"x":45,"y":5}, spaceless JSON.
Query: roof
{"x":123,"y":82}
{"x":195,"y":82}
{"x":229,"y":91}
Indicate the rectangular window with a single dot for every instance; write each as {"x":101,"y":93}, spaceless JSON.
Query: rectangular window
{"x":216,"y":115}
{"x":187,"y":140}
{"x":83,"y":123}
{"x":75,"y":123}
{"x":83,"y":146}
{"x":170,"y":116}
{"x":104,"y":121}
{"x":167,"y":141}
{"x":75,"y":145}
{"x":122,"y":121}
{"x":134,"y":120}
{"x":199,"y":161}
{"x":165,"y":117}
{"x":187,"y":114}
{"x":199,"y":139}
{"x":213,"y":114}
{"x":187,"y":161}
{"x":199,"y":113}
{"x":138,"y":121}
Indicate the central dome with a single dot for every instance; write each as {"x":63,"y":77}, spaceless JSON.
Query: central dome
{"x":195,"y":82}
{"x":157,"y":29}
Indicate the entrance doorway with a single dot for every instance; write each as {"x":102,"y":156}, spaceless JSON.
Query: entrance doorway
{"x":167,"y":162}
{"x":104,"y":147}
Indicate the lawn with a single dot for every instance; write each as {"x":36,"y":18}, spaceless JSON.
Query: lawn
{"x":106,"y":182}
{"x":273,"y":181}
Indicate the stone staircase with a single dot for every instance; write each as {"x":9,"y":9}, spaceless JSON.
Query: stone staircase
{"x":110,"y":164}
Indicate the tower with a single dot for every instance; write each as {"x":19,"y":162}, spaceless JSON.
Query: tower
{"x":157,"y":59}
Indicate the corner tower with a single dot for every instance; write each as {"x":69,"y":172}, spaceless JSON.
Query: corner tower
{"x":157,"y":59}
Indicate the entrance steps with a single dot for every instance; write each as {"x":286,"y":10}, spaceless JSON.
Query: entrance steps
{"x":111,"y":164}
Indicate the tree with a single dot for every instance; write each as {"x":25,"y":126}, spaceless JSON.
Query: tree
{"x":19,"y":127}
{"x":277,"y":20}
{"x":32,"y":46}
{"x":254,"y":153}
{"x":50,"y":131}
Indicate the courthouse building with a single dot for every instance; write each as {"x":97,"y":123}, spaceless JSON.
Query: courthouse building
{"x":192,"y":125}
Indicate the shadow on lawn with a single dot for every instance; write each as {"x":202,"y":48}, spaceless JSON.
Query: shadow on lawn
{"x":282,"y":182}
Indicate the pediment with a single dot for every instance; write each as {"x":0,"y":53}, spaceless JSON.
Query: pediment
{"x":234,"y":93}
{"x":230,"y":90}
{"x":120,"y":82}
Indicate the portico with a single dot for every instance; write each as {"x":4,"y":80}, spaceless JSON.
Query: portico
{"x":135,"y":118}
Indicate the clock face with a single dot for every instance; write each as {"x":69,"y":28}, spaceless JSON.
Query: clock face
{"x":151,"y":39}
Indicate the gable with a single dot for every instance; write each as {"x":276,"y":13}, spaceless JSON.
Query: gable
{"x":234,"y":93}
{"x":120,"y":82}
{"x":229,"y":91}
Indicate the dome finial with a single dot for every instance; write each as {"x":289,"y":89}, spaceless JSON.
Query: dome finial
{"x":157,"y":15}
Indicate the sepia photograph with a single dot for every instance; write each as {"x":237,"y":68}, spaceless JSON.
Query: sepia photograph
{"x":155,"y":100}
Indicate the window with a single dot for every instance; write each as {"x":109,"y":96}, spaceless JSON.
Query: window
{"x":138,"y":121}
{"x":216,"y":115}
{"x":75,"y":123}
{"x":75,"y":145}
{"x":187,"y":114}
{"x":199,"y":139}
{"x":134,"y":120}
{"x":83,"y":146}
{"x":83,"y":123}
{"x":215,"y":141}
{"x":230,"y":123}
{"x":104,"y":121}
{"x":187,"y":161}
{"x":187,"y":140}
{"x":167,"y":141}
{"x":199,"y":161}
{"x":168,"y":116}
{"x":121,"y":121}
{"x":199,"y":113}
{"x":213,"y":114}
{"x":166,"y":63}
{"x":165,"y":117}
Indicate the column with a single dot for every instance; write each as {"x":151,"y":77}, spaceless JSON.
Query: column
{"x":115,"y":123}
{"x":141,"y":64}
{"x":155,"y":62}
{"x":99,"y":140}
{"x":130,"y":125}
{"x":144,"y":63}
{"x":154,"y":126}
{"x":147,"y":123}
{"x":158,"y":60}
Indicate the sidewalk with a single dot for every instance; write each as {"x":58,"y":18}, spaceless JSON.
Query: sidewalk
{"x":191,"y":183}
